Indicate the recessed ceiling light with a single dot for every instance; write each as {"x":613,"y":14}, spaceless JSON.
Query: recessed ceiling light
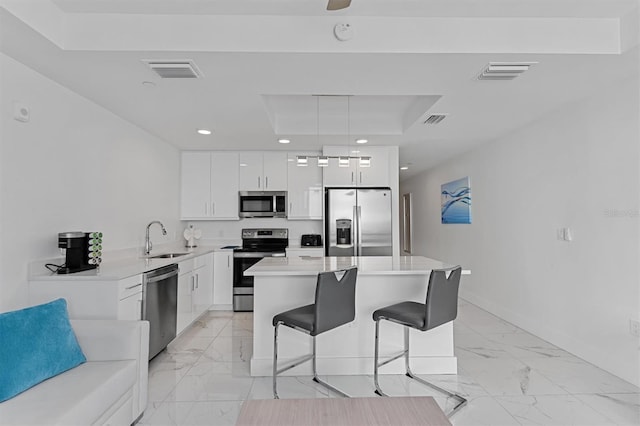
{"x":362,"y":140}
{"x":284,"y":140}
{"x":204,"y":131}
{"x":148,"y":84}
{"x":404,"y":168}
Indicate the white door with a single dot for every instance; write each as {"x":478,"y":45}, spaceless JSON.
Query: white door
{"x":224,"y":185}
{"x":185,"y":301}
{"x":304,"y":189}
{"x":275,"y":171}
{"x":377,"y":174}
{"x":251,"y":171}
{"x":334,"y":175}
{"x":195,"y":185}
{"x":130,"y":308}
{"x":223,"y":278}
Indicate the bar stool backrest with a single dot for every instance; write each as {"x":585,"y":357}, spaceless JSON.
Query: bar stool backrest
{"x":335,"y":300}
{"x":442,"y":297}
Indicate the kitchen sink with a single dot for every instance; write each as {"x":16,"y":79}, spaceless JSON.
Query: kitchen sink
{"x":167,"y":255}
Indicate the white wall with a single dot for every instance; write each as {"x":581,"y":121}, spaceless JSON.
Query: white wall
{"x":74,"y":166}
{"x":578,"y":168}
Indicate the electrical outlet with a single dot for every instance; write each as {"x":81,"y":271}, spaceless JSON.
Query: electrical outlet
{"x":634,"y":327}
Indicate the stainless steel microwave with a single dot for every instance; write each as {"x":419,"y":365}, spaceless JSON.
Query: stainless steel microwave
{"x":262,"y":204}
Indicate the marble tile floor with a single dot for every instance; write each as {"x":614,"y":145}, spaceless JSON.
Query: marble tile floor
{"x":509,"y":376}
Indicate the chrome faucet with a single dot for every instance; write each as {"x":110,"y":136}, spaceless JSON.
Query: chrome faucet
{"x":147,"y":241}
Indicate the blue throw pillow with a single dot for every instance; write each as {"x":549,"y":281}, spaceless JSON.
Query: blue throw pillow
{"x":36,"y":343}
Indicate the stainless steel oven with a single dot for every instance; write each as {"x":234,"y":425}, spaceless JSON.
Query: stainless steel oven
{"x":256,"y":245}
{"x":262,"y":204}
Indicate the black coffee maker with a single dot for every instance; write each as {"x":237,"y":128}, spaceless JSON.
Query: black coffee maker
{"x":82,"y":250}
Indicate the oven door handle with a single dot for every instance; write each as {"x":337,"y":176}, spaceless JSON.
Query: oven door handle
{"x":257,"y":254}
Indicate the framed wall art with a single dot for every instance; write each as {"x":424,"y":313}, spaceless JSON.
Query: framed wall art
{"x":455,"y":199}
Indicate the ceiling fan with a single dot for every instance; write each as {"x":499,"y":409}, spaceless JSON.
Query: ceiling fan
{"x":338,"y":4}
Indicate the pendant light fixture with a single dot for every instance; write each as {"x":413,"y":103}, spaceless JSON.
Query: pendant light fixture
{"x":343,"y":160}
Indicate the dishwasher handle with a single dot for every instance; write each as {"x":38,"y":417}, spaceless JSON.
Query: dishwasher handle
{"x":156,"y":278}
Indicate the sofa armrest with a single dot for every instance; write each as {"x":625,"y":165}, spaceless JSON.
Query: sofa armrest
{"x":110,"y":340}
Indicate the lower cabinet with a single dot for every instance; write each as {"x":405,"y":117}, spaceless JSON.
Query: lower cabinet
{"x":92,"y":299}
{"x":195,"y":289}
{"x":130,"y":308}
{"x":223,"y":280}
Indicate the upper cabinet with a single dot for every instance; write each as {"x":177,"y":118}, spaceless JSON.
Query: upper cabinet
{"x":305,"y":190}
{"x":209,"y":186}
{"x":376,"y":174}
{"x":263,"y":171}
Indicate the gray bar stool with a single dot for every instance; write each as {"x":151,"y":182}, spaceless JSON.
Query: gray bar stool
{"x":440,"y":308}
{"x":335,"y":305}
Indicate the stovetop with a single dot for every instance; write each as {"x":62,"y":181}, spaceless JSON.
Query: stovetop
{"x":264,"y":240}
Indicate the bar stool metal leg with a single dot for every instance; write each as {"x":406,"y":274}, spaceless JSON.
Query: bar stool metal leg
{"x":461,"y":401}
{"x":303,"y":359}
{"x":275,"y":360}
{"x":320,"y":382}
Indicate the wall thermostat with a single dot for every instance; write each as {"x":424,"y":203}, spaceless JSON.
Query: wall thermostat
{"x":343,"y":32}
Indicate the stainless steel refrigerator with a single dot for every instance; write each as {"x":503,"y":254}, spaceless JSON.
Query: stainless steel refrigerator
{"x":357,"y":222}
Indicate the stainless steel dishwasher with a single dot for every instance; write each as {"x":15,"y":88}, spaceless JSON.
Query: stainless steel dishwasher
{"x":159,"y":306}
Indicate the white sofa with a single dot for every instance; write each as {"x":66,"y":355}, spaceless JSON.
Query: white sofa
{"x":110,"y":388}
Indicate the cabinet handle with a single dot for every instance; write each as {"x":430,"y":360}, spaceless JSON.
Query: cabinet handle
{"x":197,"y":281}
{"x":213,"y":208}
{"x":133,"y":286}
{"x":360,"y":177}
{"x":351,"y":177}
{"x":228,"y":261}
{"x":141,"y":310}
{"x":258,"y":182}
{"x":266,"y":182}
{"x":193,"y":284}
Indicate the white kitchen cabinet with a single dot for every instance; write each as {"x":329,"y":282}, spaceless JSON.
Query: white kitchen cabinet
{"x":209,"y":186}
{"x":186,"y":286}
{"x":130,"y":308}
{"x":223,"y":280}
{"x":195,"y":289}
{"x":224,"y":186}
{"x":377,"y":174}
{"x":304,"y":189}
{"x":130,"y":295}
{"x":263,"y":171}
{"x":203,"y":276}
{"x":92,"y":299}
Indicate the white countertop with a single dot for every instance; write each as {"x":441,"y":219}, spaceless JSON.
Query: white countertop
{"x":122,"y":267}
{"x":367,"y":265}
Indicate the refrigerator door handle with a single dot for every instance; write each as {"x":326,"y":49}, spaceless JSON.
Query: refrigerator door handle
{"x":359,"y":228}
{"x":354,"y":232}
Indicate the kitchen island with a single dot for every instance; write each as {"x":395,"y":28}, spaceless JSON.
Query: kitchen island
{"x":281,"y":284}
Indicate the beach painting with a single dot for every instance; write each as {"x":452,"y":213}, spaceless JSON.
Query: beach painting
{"x":455,"y":200}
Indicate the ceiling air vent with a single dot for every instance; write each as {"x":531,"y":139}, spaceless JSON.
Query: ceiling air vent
{"x":435,"y":118}
{"x":174,"y":69}
{"x":504,"y":70}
